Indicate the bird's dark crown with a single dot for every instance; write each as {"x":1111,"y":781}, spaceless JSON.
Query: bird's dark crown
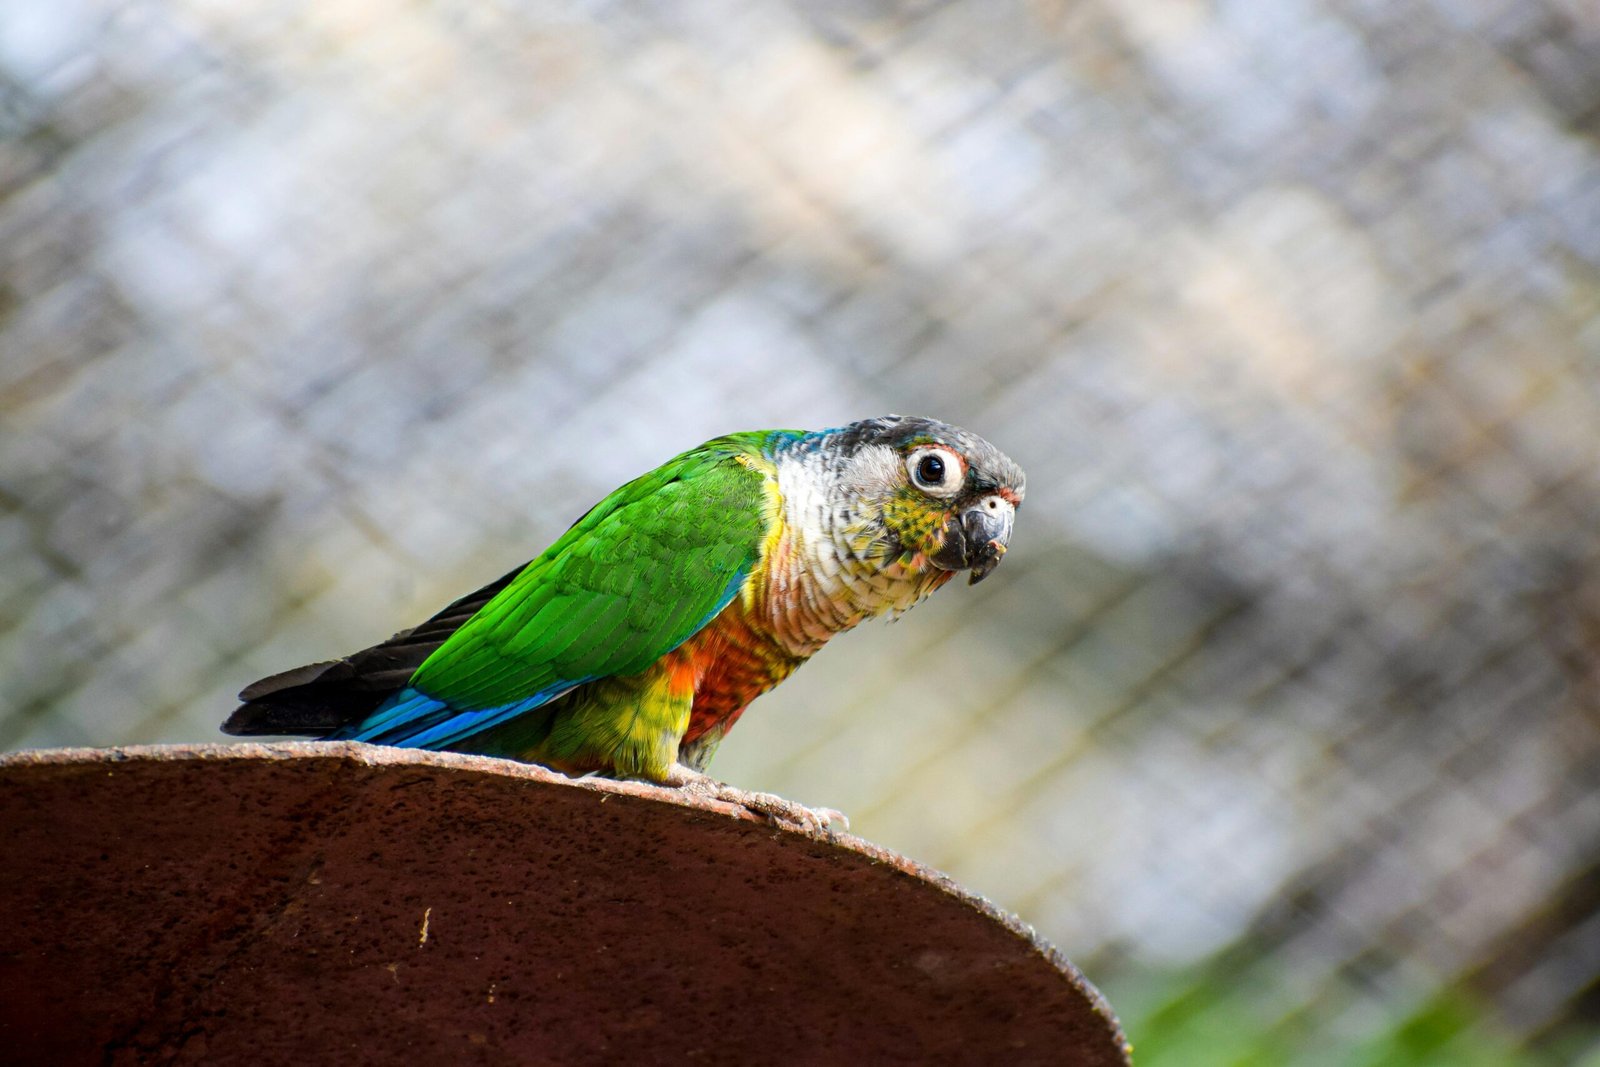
{"x":988,"y":467}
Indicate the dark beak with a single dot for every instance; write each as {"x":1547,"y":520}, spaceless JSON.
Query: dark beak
{"x":978,"y":538}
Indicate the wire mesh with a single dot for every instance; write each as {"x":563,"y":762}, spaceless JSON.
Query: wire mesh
{"x":1281,"y":716}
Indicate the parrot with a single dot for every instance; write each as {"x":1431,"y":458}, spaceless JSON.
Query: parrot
{"x":633,"y":644}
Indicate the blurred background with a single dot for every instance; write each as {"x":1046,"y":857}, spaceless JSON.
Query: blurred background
{"x":1282,"y":718}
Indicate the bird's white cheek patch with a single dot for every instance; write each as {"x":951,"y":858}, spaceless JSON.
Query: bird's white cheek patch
{"x":873,"y":472}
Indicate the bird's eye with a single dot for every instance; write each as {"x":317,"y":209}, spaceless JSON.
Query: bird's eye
{"x":935,"y":470}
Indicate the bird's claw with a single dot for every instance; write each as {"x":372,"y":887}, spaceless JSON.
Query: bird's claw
{"x":780,"y":810}
{"x":787,"y":812}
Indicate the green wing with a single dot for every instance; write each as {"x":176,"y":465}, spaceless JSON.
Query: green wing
{"x":633,"y":579}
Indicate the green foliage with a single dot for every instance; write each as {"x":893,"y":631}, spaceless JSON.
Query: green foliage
{"x":1226,"y":1016}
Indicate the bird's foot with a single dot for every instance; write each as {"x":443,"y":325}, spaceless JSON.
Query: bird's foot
{"x":691,"y":781}
{"x":787,"y":812}
{"x":779,"y":810}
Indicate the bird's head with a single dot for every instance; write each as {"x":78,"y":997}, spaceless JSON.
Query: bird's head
{"x":921,"y":491}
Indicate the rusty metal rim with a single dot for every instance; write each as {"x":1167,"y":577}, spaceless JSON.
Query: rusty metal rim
{"x":383,"y":756}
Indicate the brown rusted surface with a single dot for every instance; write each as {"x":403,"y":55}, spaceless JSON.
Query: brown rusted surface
{"x":339,"y":903}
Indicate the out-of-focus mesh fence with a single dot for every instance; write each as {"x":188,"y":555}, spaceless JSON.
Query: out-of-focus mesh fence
{"x":1281,"y":717}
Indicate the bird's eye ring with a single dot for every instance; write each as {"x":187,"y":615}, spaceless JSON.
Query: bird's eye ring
{"x":935,"y":470}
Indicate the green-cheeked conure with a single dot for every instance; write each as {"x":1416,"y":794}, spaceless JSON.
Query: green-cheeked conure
{"x":633,"y":644}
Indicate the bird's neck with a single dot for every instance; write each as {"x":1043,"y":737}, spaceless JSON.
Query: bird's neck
{"x":826,"y":566}
{"x":831,"y":563}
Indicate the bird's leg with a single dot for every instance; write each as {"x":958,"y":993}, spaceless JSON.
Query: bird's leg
{"x":774,"y":807}
{"x":691,"y":781}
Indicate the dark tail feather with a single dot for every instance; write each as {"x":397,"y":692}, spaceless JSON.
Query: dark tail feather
{"x":286,"y":679}
{"x":322,"y":698}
